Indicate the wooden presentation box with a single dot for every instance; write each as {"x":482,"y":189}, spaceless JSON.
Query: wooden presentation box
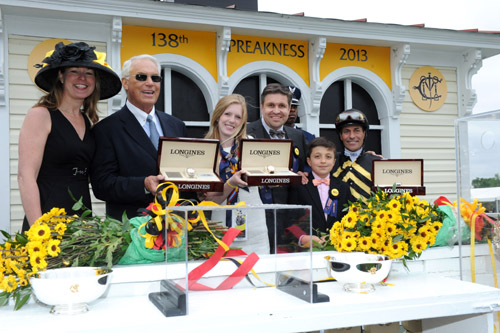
{"x":406,"y":174}
{"x":190,"y":163}
{"x":268,"y":162}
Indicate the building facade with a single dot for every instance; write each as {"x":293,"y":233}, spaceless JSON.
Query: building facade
{"x":208,"y":52}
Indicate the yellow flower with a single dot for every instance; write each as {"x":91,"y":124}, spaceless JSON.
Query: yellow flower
{"x":436,"y":226}
{"x":394,"y":205}
{"x":8,"y":284}
{"x":364,"y":243}
{"x":393,"y":216}
{"x":53,"y":247}
{"x":376,"y":242}
{"x":60,"y":228}
{"x":349,"y":220}
{"x":23,"y":282}
{"x":378,"y":225}
{"x":425,"y":232}
{"x":364,"y":219}
{"x":418,"y":244}
{"x":391,"y":229}
{"x":39,"y":232}
{"x":36,"y":246}
{"x":408,"y":200}
{"x":381,"y":216}
{"x":37,"y":261}
{"x":351,"y":234}
{"x":348,"y":245}
{"x":399,"y":249}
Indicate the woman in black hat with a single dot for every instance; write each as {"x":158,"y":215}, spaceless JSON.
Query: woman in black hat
{"x":55,"y":142}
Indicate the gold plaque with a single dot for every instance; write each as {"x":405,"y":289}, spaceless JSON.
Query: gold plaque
{"x":428,"y":88}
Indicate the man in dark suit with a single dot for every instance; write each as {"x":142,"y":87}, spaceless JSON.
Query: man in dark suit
{"x":124,"y":171}
{"x":275,"y":108}
{"x":293,"y":116}
{"x":294,"y":112}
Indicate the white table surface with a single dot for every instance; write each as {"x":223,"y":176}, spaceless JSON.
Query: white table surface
{"x":412,"y":296}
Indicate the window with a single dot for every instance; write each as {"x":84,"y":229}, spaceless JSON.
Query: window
{"x":184,"y":101}
{"x":343,"y":95}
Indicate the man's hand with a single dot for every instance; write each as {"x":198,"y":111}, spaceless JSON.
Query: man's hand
{"x":305,"y":241}
{"x":374,"y":154}
{"x":152,"y":182}
{"x":305,"y":176}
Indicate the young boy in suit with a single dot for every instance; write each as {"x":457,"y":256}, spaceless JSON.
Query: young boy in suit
{"x":326,"y":195}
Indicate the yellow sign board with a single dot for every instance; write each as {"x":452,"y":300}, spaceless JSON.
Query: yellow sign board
{"x":247,"y":49}
{"x":374,"y":58}
{"x":39,"y":52}
{"x":196,"y":45}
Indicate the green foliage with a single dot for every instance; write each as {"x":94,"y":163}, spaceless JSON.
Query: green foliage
{"x":486,"y":182}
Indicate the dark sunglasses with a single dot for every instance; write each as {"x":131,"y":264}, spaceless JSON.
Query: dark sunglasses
{"x":144,"y":77}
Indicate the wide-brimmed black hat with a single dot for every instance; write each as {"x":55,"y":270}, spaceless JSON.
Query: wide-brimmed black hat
{"x":78,"y":55}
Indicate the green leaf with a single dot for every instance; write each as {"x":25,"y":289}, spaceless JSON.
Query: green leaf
{"x":78,"y":204}
{"x":23,"y":299}
{"x":126,"y":223}
{"x":6,"y":234}
{"x":4,"y":298}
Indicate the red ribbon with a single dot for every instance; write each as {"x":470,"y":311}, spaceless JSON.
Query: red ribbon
{"x":245,"y":267}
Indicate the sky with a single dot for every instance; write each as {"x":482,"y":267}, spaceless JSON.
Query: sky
{"x":447,"y":14}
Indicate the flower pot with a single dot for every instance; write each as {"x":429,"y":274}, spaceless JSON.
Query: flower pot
{"x":358,"y":271}
{"x":68,"y":290}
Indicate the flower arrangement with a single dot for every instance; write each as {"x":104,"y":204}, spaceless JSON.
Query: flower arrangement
{"x":399,"y":226}
{"x":57,"y":240}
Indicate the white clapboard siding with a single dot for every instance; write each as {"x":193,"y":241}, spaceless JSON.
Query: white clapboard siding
{"x":23,"y":94}
{"x":428,"y":143}
{"x":431,"y":136}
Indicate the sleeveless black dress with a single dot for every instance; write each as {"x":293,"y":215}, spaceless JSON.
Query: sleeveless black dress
{"x":65,"y":166}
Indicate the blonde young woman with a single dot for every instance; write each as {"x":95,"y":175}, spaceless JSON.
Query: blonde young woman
{"x":228,"y":125}
{"x":56,"y":144}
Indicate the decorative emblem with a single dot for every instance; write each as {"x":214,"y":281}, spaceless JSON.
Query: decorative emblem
{"x":296,"y":151}
{"x":74,"y":288}
{"x":334,"y":192}
{"x":428,"y":88}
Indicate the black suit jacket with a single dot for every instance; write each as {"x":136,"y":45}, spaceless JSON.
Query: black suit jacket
{"x":308,"y":195}
{"x":124,"y":157}
{"x":257,"y":130}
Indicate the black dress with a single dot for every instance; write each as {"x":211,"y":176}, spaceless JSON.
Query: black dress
{"x":65,"y":166}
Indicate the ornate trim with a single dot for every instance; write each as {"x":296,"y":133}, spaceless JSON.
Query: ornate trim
{"x":2,"y":62}
{"x":115,"y":50}
{"x":223,"y":47}
{"x":472,"y":62}
{"x":399,"y":57}
{"x":317,"y":49}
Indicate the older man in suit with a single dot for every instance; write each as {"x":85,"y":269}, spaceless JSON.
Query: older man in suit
{"x":124,"y":170}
